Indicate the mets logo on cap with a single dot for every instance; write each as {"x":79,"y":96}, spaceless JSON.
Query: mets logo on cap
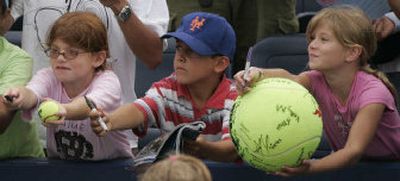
{"x":197,"y":23}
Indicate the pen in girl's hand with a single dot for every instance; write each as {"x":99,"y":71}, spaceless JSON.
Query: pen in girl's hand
{"x":247,"y":66}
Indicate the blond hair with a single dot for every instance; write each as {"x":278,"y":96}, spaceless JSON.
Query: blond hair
{"x":178,"y":168}
{"x":351,"y":26}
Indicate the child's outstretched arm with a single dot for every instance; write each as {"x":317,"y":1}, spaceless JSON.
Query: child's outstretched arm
{"x":20,"y":98}
{"x":255,"y":74}
{"x":127,"y":116}
{"x":361,"y":133}
{"x":223,"y":151}
{"x":77,"y":109}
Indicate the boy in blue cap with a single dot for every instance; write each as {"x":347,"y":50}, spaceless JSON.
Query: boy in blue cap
{"x":198,"y":90}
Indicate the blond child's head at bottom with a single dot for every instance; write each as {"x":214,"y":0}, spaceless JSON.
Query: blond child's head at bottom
{"x":178,"y":168}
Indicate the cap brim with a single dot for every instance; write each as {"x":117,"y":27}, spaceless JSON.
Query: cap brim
{"x":196,"y":45}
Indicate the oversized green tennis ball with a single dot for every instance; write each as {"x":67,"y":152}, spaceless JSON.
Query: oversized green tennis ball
{"x":276,"y":124}
{"x":47,"y":111}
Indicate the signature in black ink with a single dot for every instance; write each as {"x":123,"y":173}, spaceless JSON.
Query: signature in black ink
{"x":292,"y":116}
{"x":264,"y":143}
{"x":284,"y":123}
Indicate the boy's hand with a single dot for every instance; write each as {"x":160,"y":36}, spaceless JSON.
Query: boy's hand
{"x":96,"y":127}
{"x":292,"y":171}
{"x":244,"y":79}
{"x":193,"y":147}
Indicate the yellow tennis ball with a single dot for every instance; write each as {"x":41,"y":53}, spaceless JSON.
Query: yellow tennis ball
{"x":276,"y":124}
{"x":47,"y":111}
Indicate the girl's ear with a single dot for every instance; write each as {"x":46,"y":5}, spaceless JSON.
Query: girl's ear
{"x":100,"y":58}
{"x":221,"y":63}
{"x":354,"y":53}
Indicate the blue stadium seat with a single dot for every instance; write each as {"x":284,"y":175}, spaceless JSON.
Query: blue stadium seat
{"x":307,"y":6}
{"x":288,"y":52}
{"x":304,"y":18}
{"x":14,"y":37}
{"x":305,"y":10}
{"x":145,"y":77}
{"x":152,"y":133}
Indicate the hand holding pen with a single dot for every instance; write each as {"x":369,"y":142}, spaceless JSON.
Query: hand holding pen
{"x":247,"y":76}
{"x":8,"y":98}
{"x":12,"y":99}
{"x":93,"y":107}
{"x":8,"y":101}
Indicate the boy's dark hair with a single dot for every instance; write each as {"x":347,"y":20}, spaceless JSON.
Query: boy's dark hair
{"x":5,"y":4}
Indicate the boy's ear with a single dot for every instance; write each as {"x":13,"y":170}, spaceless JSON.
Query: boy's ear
{"x":354,"y":53}
{"x":221,"y":63}
{"x":101,"y":57}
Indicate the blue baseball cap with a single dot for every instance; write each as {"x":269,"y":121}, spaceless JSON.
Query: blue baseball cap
{"x":206,"y":34}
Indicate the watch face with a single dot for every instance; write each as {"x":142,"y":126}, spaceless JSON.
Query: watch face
{"x":125,"y":13}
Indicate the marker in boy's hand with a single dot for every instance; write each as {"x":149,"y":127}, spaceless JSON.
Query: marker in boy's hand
{"x":93,"y":107}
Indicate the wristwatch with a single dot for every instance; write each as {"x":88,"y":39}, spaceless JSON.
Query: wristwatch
{"x":125,"y":13}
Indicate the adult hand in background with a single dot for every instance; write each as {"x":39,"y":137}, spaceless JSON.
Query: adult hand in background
{"x":115,"y":5}
{"x":383,"y":27}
